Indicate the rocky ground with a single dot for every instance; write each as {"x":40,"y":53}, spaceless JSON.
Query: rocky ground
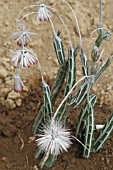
{"x":18,"y":111}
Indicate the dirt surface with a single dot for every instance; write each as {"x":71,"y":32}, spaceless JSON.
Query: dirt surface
{"x":18,"y":111}
{"x":17,"y":145}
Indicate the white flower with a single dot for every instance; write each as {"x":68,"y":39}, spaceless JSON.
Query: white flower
{"x":22,"y":37}
{"x":18,"y":84}
{"x":24,"y":58}
{"x":54,"y":138}
{"x":43,"y":13}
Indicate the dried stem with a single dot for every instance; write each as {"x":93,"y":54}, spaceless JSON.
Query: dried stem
{"x":55,"y":114}
{"x":76,"y":21}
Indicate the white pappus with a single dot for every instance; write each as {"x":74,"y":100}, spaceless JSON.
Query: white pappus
{"x":54,"y":137}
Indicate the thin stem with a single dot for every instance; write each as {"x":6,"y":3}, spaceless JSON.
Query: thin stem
{"x":101,"y":55}
{"x":65,"y":98}
{"x":16,"y":71}
{"x":45,"y":158}
{"x":40,"y":68}
{"x":65,"y":27}
{"x":100,"y":13}
{"x":88,"y":90}
{"x":63,"y":24}
{"x":23,"y":41}
{"x":24,"y":9}
{"x":26,"y":16}
{"x":66,"y":30}
{"x":80,"y":142}
{"x":76,"y":21}
{"x":52,"y":26}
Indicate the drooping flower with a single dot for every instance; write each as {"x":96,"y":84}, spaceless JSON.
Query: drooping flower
{"x":23,"y":37}
{"x":43,"y":13}
{"x":18,"y":84}
{"x":24,"y":58}
{"x":54,"y":137}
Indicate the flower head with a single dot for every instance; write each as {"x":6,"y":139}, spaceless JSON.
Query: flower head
{"x":22,"y":37}
{"x":54,"y":138}
{"x":43,"y":13}
{"x":24,"y":58}
{"x":18,"y":84}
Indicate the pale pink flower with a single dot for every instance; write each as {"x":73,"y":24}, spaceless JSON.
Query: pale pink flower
{"x":18,"y":84}
{"x":24,"y":58}
{"x":43,"y":13}
{"x":54,"y":137}
{"x":23,"y":37}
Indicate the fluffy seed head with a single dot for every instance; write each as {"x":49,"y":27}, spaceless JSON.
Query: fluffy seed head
{"x":54,"y":137}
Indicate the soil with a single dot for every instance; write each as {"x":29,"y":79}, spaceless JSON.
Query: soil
{"x":17,"y":144}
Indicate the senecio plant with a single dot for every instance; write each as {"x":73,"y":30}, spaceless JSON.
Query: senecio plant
{"x":49,"y":127}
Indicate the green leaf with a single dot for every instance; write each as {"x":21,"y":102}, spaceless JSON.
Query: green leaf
{"x":59,"y":49}
{"x":104,"y":134}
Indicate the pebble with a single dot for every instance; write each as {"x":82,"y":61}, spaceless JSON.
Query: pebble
{"x":31,"y":139}
{"x":18,"y":102}
{"x":104,"y":2}
{"x":1,"y":81}
{"x":102,"y":159}
{"x":3,"y":73}
{"x":2,"y":100}
{"x":107,"y":161}
{"x":13,"y":95}
{"x":4,"y":159}
{"x":51,"y":2}
{"x":9,"y":83}
{"x":9,"y":103}
{"x":4,"y":92}
{"x":35,"y":167}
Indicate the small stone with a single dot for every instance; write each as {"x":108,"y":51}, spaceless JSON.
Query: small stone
{"x":8,"y":78}
{"x":2,"y":100}
{"x":9,"y":83}
{"x":4,"y":60}
{"x":18,"y":102}
{"x":107,"y":161}
{"x":13,"y":95}
{"x":9,"y":103}
{"x":55,"y":60}
{"x":51,"y":2}
{"x":4,"y":159}
{"x":1,"y":81}
{"x":4,"y":92}
{"x":7,"y":44}
{"x":104,"y":2}
{"x":6,"y":23}
{"x":102,"y":159}
{"x":3,"y":73}
{"x":35,"y":167}
{"x":31,"y":139}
